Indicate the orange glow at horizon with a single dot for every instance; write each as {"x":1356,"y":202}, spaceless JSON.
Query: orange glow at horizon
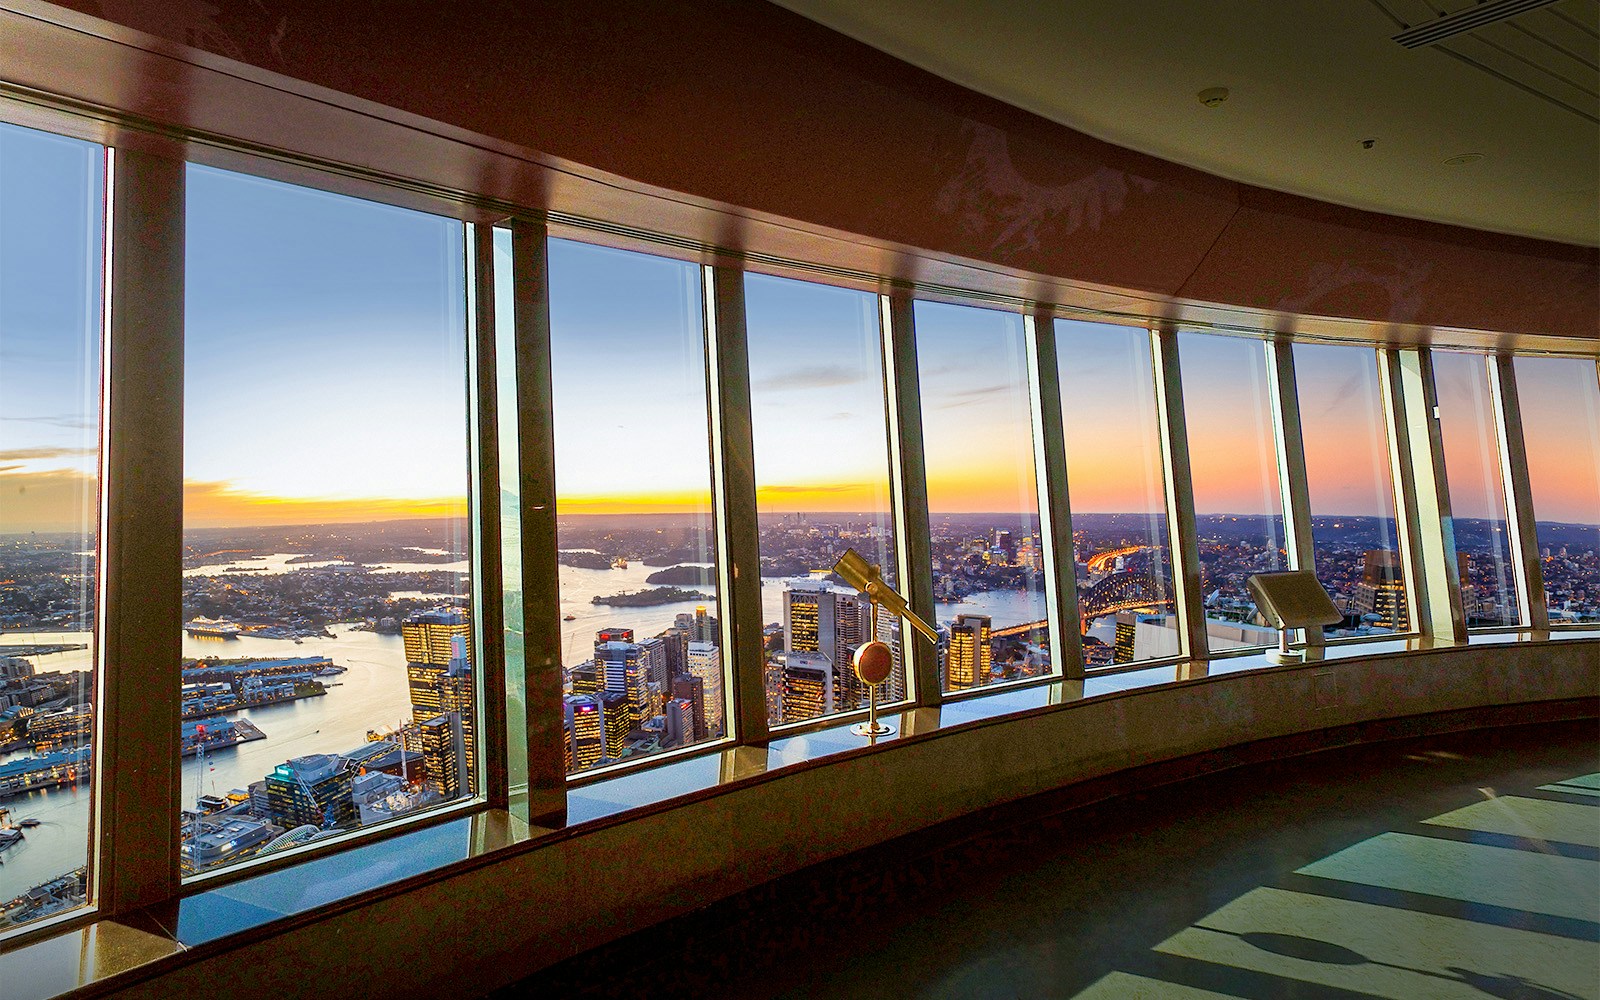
{"x":218,"y":505}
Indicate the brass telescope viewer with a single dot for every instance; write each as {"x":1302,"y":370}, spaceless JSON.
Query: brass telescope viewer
{"x":874,"y":660}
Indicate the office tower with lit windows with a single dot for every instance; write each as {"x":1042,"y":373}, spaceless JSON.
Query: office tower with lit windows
{"x":582,"y":719}
{"x":675,"y":641}
{"x":444,"y":753}
{"x":1382,"y":590}
{"x":442,"y":685}
{"x":430,"y":636}
{"x":586,"y":678}
{"x":311,"y":791}
{"x":621,"y":670}
{"x":617,"y":720}
{"x":807,"y":686}
{"x":969,"y":660}
{"x":705,"y":666}
{"x":819,"y":619}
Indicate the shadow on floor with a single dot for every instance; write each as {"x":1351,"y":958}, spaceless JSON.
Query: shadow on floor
{"x":1465,"y":865}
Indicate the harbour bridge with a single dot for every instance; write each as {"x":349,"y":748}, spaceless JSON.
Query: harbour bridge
{"x":1118,"y":592}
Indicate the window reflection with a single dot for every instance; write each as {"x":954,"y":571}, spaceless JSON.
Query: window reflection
{"x":329,"y":674}
{"x":1233,"y":462}
{"x":1478,"y":508}
{"x":1560,"y":400}
{"x":640,"y":637}
{"x":983,"y":499}
{"x":1119,"y":494}
{"x":822,"y":486}
{"x":1350,"y":484}
{"x":52,"y":212}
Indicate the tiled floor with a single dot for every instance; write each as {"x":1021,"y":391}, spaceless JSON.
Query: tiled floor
{"x":1465,"y":866}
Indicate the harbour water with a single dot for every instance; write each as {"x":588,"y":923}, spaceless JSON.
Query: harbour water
{"x":372,"y":693}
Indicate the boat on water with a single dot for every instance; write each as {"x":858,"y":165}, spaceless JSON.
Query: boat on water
{"x":10,"y":835}
{"x":620,"y":562}
{"x":569,"y":618}
{"x":29,"y":823}
{"x":208,"y":628}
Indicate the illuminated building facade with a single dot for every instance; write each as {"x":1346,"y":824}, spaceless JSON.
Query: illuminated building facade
{"x":969,"y":660}
{"x":705,"y":666}
{"x":1382,"y":590}
{"x":311,"y":791}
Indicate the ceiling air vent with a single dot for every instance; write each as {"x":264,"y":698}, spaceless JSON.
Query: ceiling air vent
{"x":1470,"y":19}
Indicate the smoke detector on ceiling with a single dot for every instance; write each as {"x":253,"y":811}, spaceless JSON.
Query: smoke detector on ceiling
{"x":1213,"y":96}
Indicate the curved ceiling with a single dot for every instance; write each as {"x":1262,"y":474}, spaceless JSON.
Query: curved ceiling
{"x":1308,"y":81}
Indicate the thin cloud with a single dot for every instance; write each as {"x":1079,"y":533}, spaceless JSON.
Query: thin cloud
{"x":815,"y":377}
{"x":68,"y":421}
{"x":24,"y":454}
{"x":978,"y":394}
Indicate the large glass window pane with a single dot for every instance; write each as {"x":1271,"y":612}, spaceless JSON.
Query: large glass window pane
{"x":822,"y":486}
{"x":52,"y":212}
{"x":1477,"y":489}
{"x":1119,"y":494}
{"x":983,"y":498}
{"x":1351,"y":487}
{"x":640,"y":637}
{"x":1560,"y":400}
{"x":1233,"y":460}
{"x":328,"y":681}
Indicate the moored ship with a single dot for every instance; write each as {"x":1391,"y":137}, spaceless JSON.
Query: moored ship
{"x":207,"y":628}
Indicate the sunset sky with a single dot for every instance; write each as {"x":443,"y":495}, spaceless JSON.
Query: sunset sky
{"x":325,"y":374}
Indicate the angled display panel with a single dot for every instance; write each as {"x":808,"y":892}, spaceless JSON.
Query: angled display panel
{"x":1119,"y":494}
{"x":822,"y":486}
{"x":1233,"y":460}
{"x":52,"y":234}
{"x":983,"y":497}
{"x":1472,"y":463}
{"x":328,"y":682}
{"x":1561,"y":427}
{"x":641,"y":642}
{"x":1351,"y":488}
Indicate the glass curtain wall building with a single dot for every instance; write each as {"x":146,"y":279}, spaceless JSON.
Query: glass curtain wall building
{"x":331,"y":678}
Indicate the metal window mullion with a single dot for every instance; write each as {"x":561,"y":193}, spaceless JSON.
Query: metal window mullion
{"x":1055,"y":507}
{"x":138,"y":767}
{"x":1294,"y":487}
{"x":1439,"y":611}
{"x":1402,"y":483}
{"x":734,"y":493}
{"x":1182,"y":530}
{"x":908,"y":465}
{"x":1526,"y":567}
{"x":536,"y":467}
{"x":487,"y":582}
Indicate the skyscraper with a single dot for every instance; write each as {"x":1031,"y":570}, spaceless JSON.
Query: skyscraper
{"x":444,"y":753}
{"x":705,"y":666}
{"x":621,"y":670}
{"x":820,"y":619}
{"x":968,"y":662}
{"x":439,"y":675}
{"x":581,"y":717}
{"x":807,"y":686}
{"x":429,"y":635}
{"x":311,"y":791}
{"x":693,"y":690}
{"x":1382,"y":590}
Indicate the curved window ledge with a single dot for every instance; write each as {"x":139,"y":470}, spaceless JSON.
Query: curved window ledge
{"x":745,"y":815}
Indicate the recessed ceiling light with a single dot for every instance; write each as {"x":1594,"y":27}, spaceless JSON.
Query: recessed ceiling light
{"x":1463,"y":159}
{"x":1213,"y":96}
